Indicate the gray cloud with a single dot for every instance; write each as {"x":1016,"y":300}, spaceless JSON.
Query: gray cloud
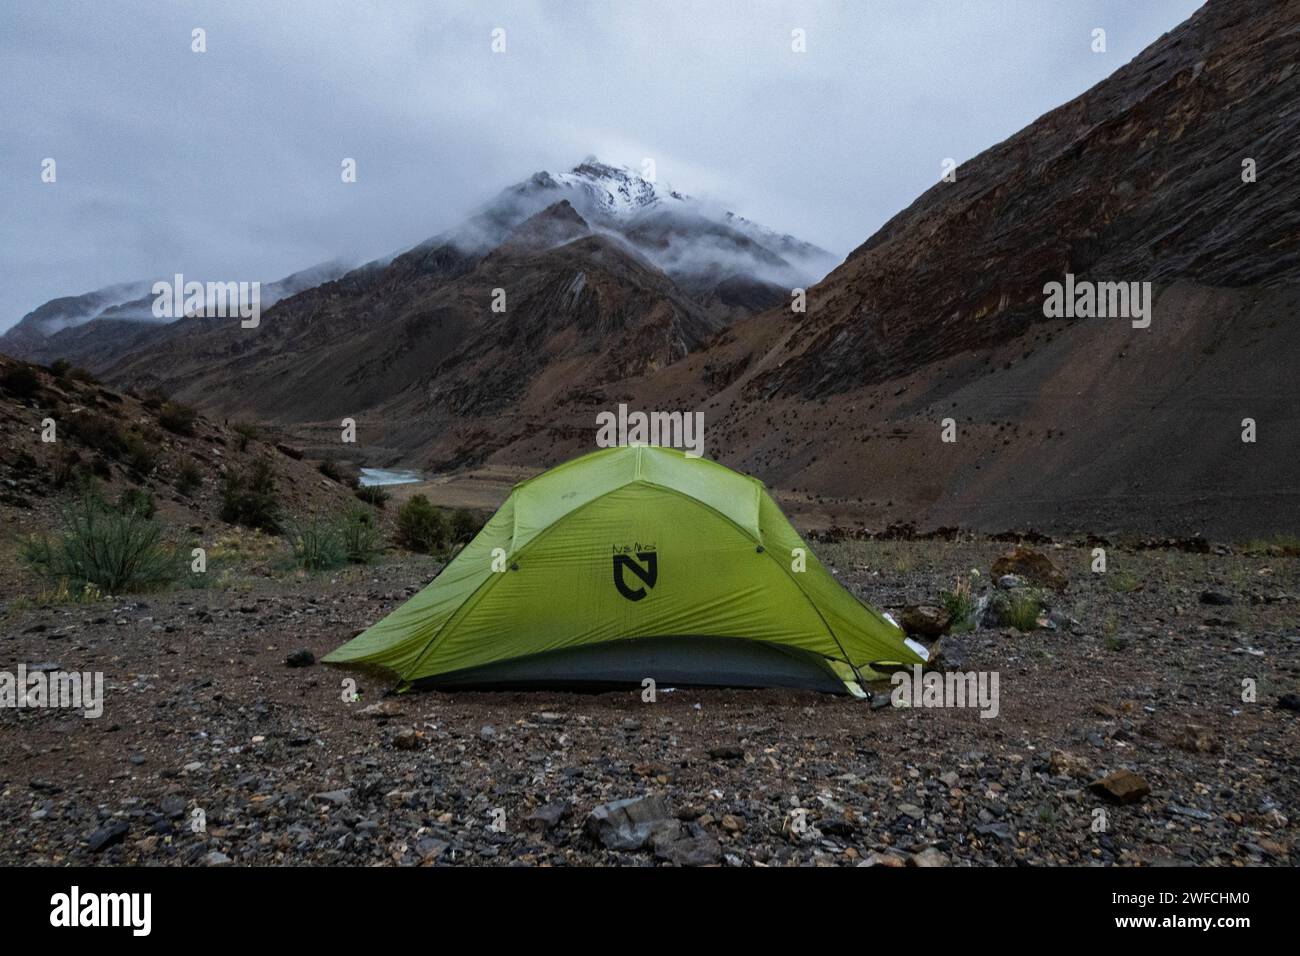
{"x":226,"y":164}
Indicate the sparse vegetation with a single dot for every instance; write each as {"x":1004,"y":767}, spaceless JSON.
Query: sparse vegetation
{"x":351,"y":537}
{"x":188,"y":479}
{"x":1123,"y":581}
{"x":177,"y":418}
{"x":20,"y":381}
{"x":95,"y":431}
{"x":373,"y":495}
{"x":65,"y":371}
{"x":246,"y":432}
{"x":330,"y":469}
{"x":960,"y":606}
{"x":137,"y":500}
{"x":138,"y":455}
{"x":1021,"y":610}
{"x":248,"y":497}
{"x":115,"y":549}
{"x":1280,"y":545}
{"x":316,"y":544}
{"x":463,"y":526}
{"x":362,"y":540}
{"x":421,"y":527}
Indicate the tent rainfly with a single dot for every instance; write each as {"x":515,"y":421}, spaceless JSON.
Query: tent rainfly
{"x":631,"y":563}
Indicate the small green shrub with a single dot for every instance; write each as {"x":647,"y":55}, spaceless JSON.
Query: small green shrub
{"x":137,"y":500}
{"x":373,"y":495}
{"x":138,"y":455}
{"x":421,"y":527}
{"x":246,"y":432}
{"x":959,"y":606}
{"x":114,"y":549}
{"x":362,"y":540}
{"x":67,"y":468}
{"x":1021,"y":610}
{"x":189,"y":479}
{"x":96,"y":431}
{"x":20,"y":381}
{"x":248,"y":497}
{"x":317,"y":544}
{"x":464,"y":525}
{"x":177,"y":418}
{"x":1123,"y":581}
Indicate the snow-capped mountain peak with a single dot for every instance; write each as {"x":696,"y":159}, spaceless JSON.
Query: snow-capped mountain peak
{"x":615,"y":190}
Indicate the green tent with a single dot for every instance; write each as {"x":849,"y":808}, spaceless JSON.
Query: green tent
{"x":630,"y":563}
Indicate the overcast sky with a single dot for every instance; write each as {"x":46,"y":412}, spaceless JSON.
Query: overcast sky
{"x":226,"y":164}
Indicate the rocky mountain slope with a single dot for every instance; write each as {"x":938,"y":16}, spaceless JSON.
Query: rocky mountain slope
{"x":96,"y":328}
{"x":1058,"y":423}
{"x":602,"y":275}
{"x":127,"y":442}
{"x":1138,"y":179}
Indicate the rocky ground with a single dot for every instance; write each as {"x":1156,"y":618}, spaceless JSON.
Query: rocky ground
{"x":1142,"y":671}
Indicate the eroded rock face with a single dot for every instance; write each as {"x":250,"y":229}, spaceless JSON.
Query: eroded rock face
{"x":1138,"y":179}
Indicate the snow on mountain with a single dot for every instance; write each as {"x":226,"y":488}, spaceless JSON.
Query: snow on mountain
{"x":615,"y":190}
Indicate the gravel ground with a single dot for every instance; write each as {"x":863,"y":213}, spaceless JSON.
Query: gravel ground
{"x":202,"y":713}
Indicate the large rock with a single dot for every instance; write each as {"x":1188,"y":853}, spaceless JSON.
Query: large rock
{"x":1033,"y":566}
{"x":929,"y":857}
{"x":947,"y":653}
{"x":696,"y":848}
{"x":111,"y":833}
{"x":548,"y":816}
{"x":300,"y":658}
{"x":925,"y":619}
{"x":633,"y":823}
{"x":1122,"y":786}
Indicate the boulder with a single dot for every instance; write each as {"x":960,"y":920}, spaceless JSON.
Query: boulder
{"x":925,"y":619}
{"x":632,"y":823}
{"x":300,"y":658}
{"x":1032,"y":566}
{"x":696,"y":848}
{"x":111,"y":833}
{"x":929,"y":857}
{"x":408,"y":739}
{"x":548,"y":816}
{"x":1122,"y":786}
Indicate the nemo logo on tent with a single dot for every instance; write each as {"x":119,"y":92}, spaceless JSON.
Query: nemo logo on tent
{"x":647,"y":571}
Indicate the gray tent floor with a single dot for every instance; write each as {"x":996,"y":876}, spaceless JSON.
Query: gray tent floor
{"x":678,"y":661}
